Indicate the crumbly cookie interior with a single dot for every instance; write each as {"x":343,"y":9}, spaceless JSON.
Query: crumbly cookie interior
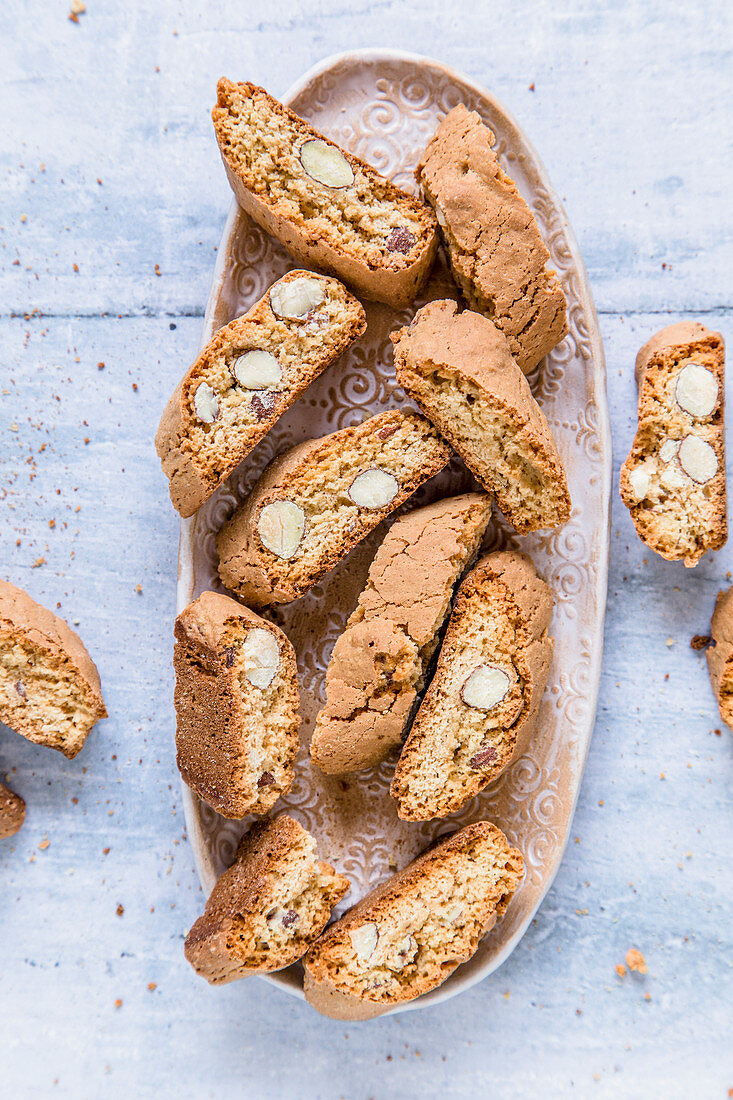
{"x":425,"y":932}
{"x":454,"y":749}
{"x":42,"y":698}
{"x":321,"y":487}
{"x":298,"y":345}
{"x":675,"y":512}
{"x":262,"y":144}
{"x":496,"y":452}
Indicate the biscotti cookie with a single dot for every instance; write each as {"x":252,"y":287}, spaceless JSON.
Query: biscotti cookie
{"x":49,"y":685}
{"x":458,"y":368}
{"x":319,"y":499}
{"x":409,"y":935}
{"x":237,"y":704}
{"x":378,"y":664}
{"x":247,"y":376}
{"x":494,"y":247}
{"x":481,"y":707}
{"x":673,"y":481}
{"x":330,"y":209}
{"x":12,"y":812}
{"x":720,"y":655}
{"x":267,"y":908}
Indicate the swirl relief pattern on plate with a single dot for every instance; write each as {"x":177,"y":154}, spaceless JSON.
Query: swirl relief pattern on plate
{"x":385,"y":109}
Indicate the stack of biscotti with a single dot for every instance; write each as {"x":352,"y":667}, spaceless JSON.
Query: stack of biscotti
{"x":378,"y":664}
{"x":673,"y":481}
{"x":496,"y":253}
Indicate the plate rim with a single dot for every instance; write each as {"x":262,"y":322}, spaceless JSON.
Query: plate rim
{"x":186,"y":579}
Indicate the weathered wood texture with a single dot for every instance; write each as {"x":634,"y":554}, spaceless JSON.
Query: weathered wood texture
{"x":627,"y":104}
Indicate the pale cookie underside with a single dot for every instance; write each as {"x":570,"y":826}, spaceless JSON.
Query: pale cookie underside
{"x":356,"y":826}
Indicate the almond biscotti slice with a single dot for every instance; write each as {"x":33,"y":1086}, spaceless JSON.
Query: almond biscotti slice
{"x":267,"y":908}
{"x":673,"y":481}
{"x":481,"y":707}
{"x":246,"y":377}
{"x":378,"y":664}
{"x":720,"y":655}
{"x":318,"y":500}
{"x":496,"y":253}
{"x":458,"y":368}
{"x":49,"y":686}
{"x":236,"y":699}
{"x":330,"y":209}
{"x":407,"y":936}
{"x":12,"y":812}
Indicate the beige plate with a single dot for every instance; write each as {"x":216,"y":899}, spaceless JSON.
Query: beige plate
{"x":383,"y":106}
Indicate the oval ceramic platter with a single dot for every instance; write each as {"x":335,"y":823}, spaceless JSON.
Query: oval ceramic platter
{"x":384,"y":106}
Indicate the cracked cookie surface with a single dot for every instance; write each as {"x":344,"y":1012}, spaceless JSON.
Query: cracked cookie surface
{"x":494,"y":247}
{"x":351,"y":222}
{"x":481,"y":707}
{"x":247,"y":376}
{"x":236,"y":700}
{"x":267,"y":908}
{"x":459,"y":370}
{"x":377,"y":667}
{"x":673,"y":480}
{"x":409,"y":934}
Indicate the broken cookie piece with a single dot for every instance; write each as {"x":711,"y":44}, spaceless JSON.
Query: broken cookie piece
{"x":720,"y":655}
{"x":481,"y":707}
{"x":50,"y":691}
{"x":459,"y":370}
{"x":378,"y":664}
{"x":236,"y":700}
{"x":318,"y":500}
{"x":247,"y":376}
{"x":407,"y":936}
{"x":673,"y":481}
{"x":328,"y":208}
{"x":12,"y":812}
{"x":496,"y":253}
{"x":267,"y":908}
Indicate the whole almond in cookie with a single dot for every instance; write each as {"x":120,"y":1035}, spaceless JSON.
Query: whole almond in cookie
{"x":247,"y":376}
{"x":673,"y":481}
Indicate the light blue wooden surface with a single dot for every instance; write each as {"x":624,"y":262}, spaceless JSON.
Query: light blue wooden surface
{"x":630,"y":110}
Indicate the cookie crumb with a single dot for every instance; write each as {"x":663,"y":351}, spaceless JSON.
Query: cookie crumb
{"x":700,"y":641}
{"x":636,"y":961}
{"x":620,"y":970}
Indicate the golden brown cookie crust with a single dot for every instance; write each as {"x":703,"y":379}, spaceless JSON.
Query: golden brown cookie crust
{"x":471,"y":876}
{"x":12,"y":812}
{"x":298,"y":219}
{"x":316,"y":476}
{"x":495,"y":249}
{"x":274,"y":858}
{"x":219,"y":717}
{"x":341,"y":318}
{"x":443,"y":352}
{"x":434,"y":777}
{"x":677,"y":517}
{"x":720,"y":655}
{"x":377,"y":666}
{"x":47,"y":638}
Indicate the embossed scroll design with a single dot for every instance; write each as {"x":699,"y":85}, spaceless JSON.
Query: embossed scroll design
{"x":385,"y":111}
